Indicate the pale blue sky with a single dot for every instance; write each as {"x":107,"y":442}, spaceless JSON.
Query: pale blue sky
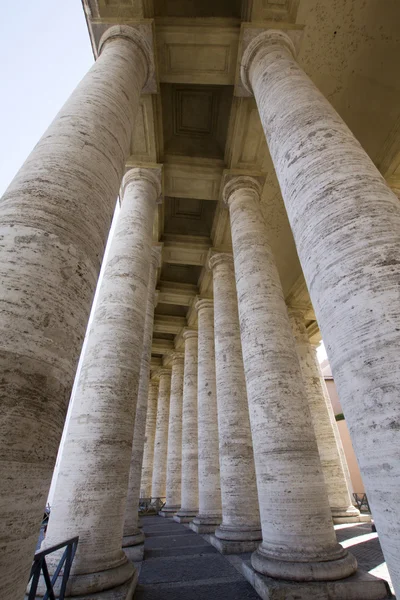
{"x":45,"y":51}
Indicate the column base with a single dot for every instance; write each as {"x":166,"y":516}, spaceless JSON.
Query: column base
{"x":336,"y":564}
{"x":232,"y":546}
{"x":205,"y":523}
{"x":185,"y":515}
{"x":347,"y":514}
{"x":134,"y":553}
{"x":136,"y":537}
{"x":118,"y":583}
{"x":168,"y":511}
{"x":359,"y":586}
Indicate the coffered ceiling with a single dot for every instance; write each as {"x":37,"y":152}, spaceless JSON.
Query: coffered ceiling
{"x":197,"y":128}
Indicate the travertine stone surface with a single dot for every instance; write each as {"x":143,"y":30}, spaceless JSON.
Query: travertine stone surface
{"x":322,"y":418}
{"x":291,"y":487}
{"x":346,"y":222}
{"x":210,"y":509}
{"x":174,"y":455}
{"x":132,"y":534}
{"x":150,"y":433}
{"x":158,"y":488}
{"x":98,"y":444}
{"x":240,"y":514}
{"x":190,"y":483}
{"x":55,"y":218}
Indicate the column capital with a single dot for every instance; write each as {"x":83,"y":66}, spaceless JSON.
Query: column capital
{"x":151,"y":175}
{"x":177,"y":358}
{"x":142,"y":36}
{"x":220,"y":258}
{"x":233,"y":183}
{"x":266,"y":42}
{"x":204,"y":303}
{"x":190,"y":333}
{"x":164,"y":372}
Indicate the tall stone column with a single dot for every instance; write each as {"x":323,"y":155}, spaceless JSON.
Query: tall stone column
{"x":322,"y":418}
{"x":55,"y":217}
{"x":158,"y":488}
{"x":190,"y":483}
{"x":210,"y":508}
{"x":150,"y":433}
{"x":132,"y":534}
{"x":346,"y":222}
{"x":291,"y":487}
{"x":174,"y":455}
{"x":98,"y":443}
{"x":240,"y":530}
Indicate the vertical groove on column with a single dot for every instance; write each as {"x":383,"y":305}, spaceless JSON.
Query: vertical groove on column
{"x":98,"y":443}
{"x":190,"y":484}
{"x":345,"y":222}
{"x":240,"y":529}
{"x":210,"y":510}
{"x":174,"y":456}
{"x":132,"y":534}
{"x":55,"y":216}
{"x":291,"y":488}
{"x":158,"y":488}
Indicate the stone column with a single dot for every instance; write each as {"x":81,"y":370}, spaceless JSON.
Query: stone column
{"x":240,"y":530}
{"x":150,"y":433}
{"x":322,"y":418}
{"x":55,"y":217}
{"x":158,"y":488}
{"x":346,"y":222}
{"x":210,"y":509}
{"x":190,"y":483}
{"x":132,"y":534}
{"x":174,"y":455}
{"x":98,"y":444}
{"x":299,"y":542}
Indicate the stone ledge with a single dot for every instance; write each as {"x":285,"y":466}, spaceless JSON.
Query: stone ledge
{"x":202,"y":528}
{"x":232,"y":546}
{"x":134,"y":553}
{"x":360,"y":586}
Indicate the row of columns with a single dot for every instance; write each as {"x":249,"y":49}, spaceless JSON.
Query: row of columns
{"x":55,"y":217}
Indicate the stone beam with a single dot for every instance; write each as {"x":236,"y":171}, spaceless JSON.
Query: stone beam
{"x":176,"y":293}
{"x":161,"y":346}
{"x":185,"y":250}
{"x":168,"y":324}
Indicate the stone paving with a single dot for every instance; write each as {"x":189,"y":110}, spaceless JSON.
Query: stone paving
{"x":181,"y":565}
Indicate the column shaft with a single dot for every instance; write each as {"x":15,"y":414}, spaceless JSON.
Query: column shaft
{"x":240,"y":529}
{"x":334,"y":476}
{"x":55,"y":218}
{"x":132,"y":534}
{"x":98,"y":443}
{"x":346,"y":222}
{"x":190,"y":483}
{"x":174,"y":456}
{"x":210,"y":509}
{"x":290,"y":483}
{"x":150,"y":433}
{"x":158,"y":488}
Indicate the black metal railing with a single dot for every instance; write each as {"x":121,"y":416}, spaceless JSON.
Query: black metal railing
{"x":151,"y":506}
{"x":39,"y":567}
{"x":362,"y":502}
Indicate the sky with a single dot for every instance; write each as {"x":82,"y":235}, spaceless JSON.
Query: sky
{"x":45,"y":51}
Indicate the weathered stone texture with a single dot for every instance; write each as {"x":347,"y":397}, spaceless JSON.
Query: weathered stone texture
{"x":190,"y":483}
{"x":210,"y":510}
{"x":132,"y":534}
{"x":323,"y":422}
{"x":346,"y":223}
{"x":150,"y":433}
{"x":240,"y":514}
{"x":174,"y":457}
{"x":291,"y":488}
{"x":55,"y":217}
{"x":98,"y":443}
{"x":158,"y":488}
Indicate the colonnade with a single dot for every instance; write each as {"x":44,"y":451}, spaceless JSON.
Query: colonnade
{"x":238,"y":436}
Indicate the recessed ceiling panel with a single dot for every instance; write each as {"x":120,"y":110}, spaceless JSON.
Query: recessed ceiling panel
{"x":188,"y":216}
{"x":180,"y":273}
{"x":197,"y":8}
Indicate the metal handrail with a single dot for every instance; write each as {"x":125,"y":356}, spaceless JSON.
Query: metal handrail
{"x":362,"y":502}
{"x":39,"y":565}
